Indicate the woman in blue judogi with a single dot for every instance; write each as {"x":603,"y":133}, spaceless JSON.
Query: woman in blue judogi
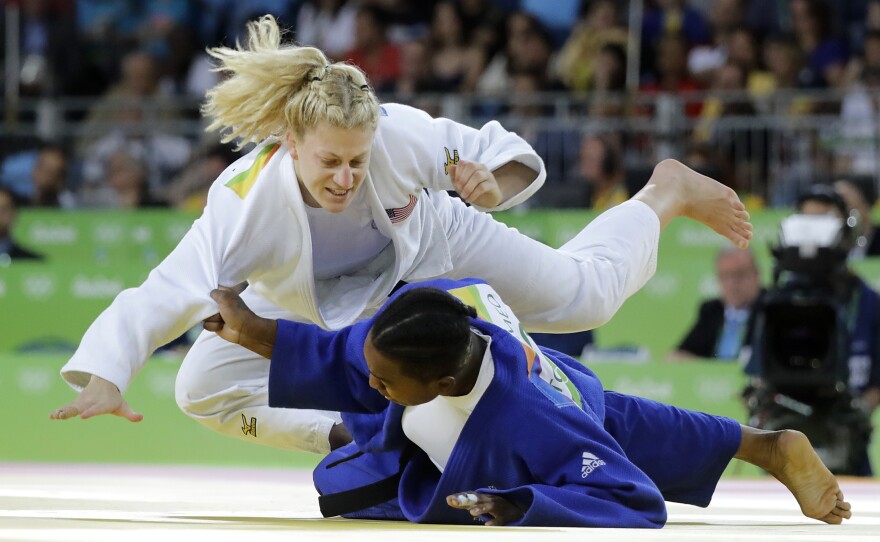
{"x":456,"y":414}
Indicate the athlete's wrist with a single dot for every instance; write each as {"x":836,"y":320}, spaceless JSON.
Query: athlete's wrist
{"x":258,"y":336}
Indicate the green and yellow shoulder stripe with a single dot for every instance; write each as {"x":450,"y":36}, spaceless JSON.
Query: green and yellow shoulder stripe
{"x":242,"y":183}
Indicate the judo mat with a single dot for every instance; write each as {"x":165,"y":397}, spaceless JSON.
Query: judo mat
{"x":97,"y":503}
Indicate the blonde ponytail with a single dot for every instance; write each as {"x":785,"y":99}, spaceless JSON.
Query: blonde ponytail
{"x":272,"y":88}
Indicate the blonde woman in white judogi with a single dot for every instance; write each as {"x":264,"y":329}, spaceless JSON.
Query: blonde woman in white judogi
{"x":339,"y":201}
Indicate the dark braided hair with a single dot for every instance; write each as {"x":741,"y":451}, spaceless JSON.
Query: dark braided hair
{"x":427,"y":330}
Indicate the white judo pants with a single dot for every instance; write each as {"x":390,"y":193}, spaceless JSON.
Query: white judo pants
{"x":577,"y":287}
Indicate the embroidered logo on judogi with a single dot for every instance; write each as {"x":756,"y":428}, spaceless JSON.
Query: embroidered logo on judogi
{"x":450,"y":159}
{"x":590,"y":463}
{"x":249,"y":428}
{"x":402,"y":213}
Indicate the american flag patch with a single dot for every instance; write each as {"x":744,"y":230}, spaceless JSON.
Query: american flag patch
{"x":402,"y":213}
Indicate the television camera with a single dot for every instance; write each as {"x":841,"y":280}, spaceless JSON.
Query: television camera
{"x":800,"y":350}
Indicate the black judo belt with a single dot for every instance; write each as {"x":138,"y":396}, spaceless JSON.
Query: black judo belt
{"x":361,"y":498}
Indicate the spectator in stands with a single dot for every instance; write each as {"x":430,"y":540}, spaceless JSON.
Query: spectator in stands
{"x":454,"y":64}
{"x":601,"y":165}
{"x":726,"y":97}
{"x":328,"y":25}
{"x":872,"y":15}
{"x":49,"y":179}
{"x":483,"y":22}
{"x":671,"y":73}
{"x":162,"y":153}
{"x":702,"y":157}
{"x":739,"y":149}
{"x":826,"y":55}
{"x":871,"y":52}
{"x":127,"y":178}
{"x":38,"y":177}
{"x":528,"y":49}
{"x":106,"y":30}
{"x":161,"y":21}
{"x":745,"y":51}
{"x":416,"y":75}
{"x":557,"y":146}
{"x":724,"y":324}
{"x":372,"y":51}
{"x":136,"y":94}
{"x":859,"y":194}
{"x":609,"y":83}
{"x":785,"y":61}
{"x":673,"y":17}
{"x":188,"y":191}
{"x":126,"y":184}
{"x":407,"y":19}
{"x":133,"y":118}
{"x":859,"y":111}
{"x":581,"y":54}
{"x":178,"y":55}
{"x":703,"y":59}
{"x":9,"y":249}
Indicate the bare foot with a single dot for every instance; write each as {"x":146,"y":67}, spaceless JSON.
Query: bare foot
{"x":676,"y":190}
{"x":790,"y":458}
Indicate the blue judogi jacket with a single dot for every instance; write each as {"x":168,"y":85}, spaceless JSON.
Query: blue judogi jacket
{"x":537,"y":436}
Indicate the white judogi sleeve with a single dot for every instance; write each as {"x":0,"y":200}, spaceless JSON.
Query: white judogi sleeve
{"x":173,"y":298}
{"x":219,"y":249}
{"x":421,"y":148}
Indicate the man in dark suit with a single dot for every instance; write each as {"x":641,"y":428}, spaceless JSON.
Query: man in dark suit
{"x":723,"y":325}
{"x":9,"y":249}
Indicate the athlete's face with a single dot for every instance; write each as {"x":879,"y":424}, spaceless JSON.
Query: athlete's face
{"x":330,"y":163}
{"x":387,"y":377}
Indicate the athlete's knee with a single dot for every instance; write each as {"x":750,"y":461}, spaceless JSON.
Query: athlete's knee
{"x":202,"y":398}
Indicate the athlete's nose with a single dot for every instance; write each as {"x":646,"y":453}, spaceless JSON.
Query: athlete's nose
{"x":344,"y":178}
{"x":375,"y":383}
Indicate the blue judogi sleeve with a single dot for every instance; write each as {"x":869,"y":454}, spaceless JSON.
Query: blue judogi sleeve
{"x":614,"y":492}
{"x":326,"y":370}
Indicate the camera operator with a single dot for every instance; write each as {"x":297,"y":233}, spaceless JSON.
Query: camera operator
{"x":816,"y":362}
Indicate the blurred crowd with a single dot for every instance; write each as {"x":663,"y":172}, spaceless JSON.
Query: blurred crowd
{"x":141,"y":69}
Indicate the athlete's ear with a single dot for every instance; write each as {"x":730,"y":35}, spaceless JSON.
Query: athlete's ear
{"x":290,"y":139}
{"x":446,"y":385}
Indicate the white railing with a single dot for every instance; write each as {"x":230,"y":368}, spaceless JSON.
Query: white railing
{"x":770,"y":152}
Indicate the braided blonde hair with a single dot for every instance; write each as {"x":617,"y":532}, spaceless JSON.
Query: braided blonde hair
{"x":273,"y":88}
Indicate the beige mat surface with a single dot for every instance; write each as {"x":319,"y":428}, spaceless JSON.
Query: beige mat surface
{"x":95,"y":503}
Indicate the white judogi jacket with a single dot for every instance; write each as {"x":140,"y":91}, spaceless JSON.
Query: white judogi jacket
{"x":254,"y":227}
